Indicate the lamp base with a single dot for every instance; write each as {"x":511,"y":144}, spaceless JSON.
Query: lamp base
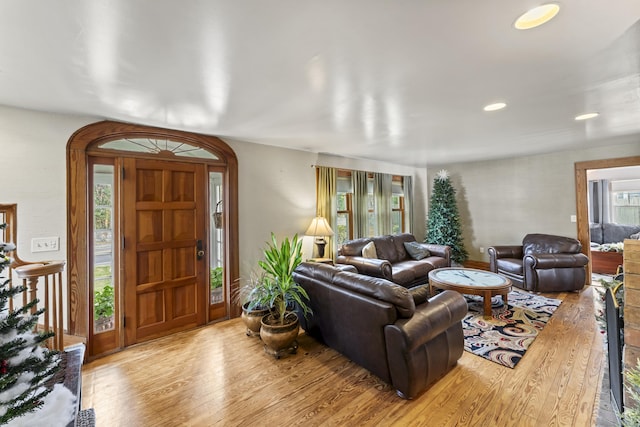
{"x":320,"y":243}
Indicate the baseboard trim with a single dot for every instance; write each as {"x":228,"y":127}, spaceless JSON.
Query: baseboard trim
{"x":479,"y":265}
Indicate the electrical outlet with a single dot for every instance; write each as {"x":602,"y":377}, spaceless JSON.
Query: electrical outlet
{"x":573,"y":218}
{"x":481,"y":250}
{"x":45,"y":244}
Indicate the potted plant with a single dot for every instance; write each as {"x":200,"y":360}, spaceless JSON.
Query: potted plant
{"x":277,"y":291}
{"x":103,"y":308}
{"x":249,"y":296}
{"x":215,"y":284}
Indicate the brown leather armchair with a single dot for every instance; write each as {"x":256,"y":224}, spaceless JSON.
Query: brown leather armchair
{"x":543,"y":263}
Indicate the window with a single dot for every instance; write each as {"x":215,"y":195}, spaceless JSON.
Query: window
{"x":398,"y":205}
{"x":158,"y":146}
{"x":345,"y":226}
{"x":344,"y":218}
{"x":397,"y":214}
{"x":626,"y":207}
{"x":625,"y":201}
{"x":104,"y":297}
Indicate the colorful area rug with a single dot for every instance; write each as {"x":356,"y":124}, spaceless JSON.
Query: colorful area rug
{"x":508,"y":334}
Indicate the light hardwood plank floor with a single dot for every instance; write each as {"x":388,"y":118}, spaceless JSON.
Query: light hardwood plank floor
{"x":218,"y":376}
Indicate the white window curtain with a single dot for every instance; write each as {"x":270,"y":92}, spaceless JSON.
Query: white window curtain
{"x":382,"y":194}
{"x":360,"y":204}
{"x":326,"y":190}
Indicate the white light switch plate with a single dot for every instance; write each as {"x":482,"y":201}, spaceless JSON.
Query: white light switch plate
{"x":45,"y":244}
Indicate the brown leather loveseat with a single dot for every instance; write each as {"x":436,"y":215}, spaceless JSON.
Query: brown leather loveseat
{"x":393,"y":262}
{"x":398,"y":334}
{"x":543,"y":263}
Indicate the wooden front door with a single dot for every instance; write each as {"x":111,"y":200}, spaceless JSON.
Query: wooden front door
{"x":164,"y":261}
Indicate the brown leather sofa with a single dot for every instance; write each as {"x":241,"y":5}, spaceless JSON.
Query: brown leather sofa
{"x":543,"y":263}
{"x":393,"y":262}
{"x":398,"y":334}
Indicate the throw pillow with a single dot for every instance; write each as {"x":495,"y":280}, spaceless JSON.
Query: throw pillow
{"x":417,"y":250}
{"x":635,"y":236}
{"x":369,"y":250}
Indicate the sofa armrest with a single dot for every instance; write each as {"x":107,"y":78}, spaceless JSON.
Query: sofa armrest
{"x":505,"y":251}
{"x":549,"y":261}
{"x":429,"y":320}
{"x":425,"y":347}
{"x":368,"y":266}
{"x":442,"y":251}
{"x":508,"y":251}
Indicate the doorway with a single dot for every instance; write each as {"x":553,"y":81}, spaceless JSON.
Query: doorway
{"x":582,"y":205}
{"x":161,"y":239}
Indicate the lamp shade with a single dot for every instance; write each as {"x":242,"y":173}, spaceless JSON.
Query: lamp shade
{"x":319,"y":227}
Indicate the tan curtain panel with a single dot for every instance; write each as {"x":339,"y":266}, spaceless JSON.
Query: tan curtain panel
{"x":326,"y":187}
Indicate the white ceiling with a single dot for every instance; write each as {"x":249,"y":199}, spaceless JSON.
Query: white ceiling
{"x":400,"y":81}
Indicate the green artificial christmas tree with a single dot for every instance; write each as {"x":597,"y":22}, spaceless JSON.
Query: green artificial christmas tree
{"x":443,"y":223}
{"x":25,"y":364}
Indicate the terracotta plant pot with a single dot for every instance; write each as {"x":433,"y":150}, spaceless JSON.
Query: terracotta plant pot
{"x":279,"y":339}
{"x":252,"y":319}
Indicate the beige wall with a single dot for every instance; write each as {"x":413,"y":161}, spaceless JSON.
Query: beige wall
{"x":33,"y":159}
{"x":499,"y":200}
{"x":502,"y":200}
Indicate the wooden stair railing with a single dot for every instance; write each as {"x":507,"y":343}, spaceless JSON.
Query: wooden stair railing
{"x":34,"y":274}
{"x":49,"y":275}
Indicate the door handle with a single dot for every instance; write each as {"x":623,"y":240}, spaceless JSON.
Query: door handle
{"x":199,"y":250}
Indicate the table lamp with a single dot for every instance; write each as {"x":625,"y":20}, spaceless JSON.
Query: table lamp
{"x":319,"y":228}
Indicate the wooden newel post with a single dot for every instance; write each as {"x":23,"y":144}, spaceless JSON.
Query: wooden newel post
{"x":51,"y":272}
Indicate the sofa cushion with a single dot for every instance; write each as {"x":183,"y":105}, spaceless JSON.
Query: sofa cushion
{"x":420,"y":268}
{"x":353,"y":247}
{"x":511,"y":265}
{"x":404,"y":272}
{"x":386,"y":248}
{"x":595,"y":233}
{"x":549,"y":244}
{"x":379,"y":289}
{"x":614,"y":233}
{"x":369,"y":250}
{"x":374,"y":287}
{"x":399,"y":240}
{"x":417,"y":250}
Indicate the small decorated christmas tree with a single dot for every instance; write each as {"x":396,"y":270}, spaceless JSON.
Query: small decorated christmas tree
{"x":443,"y":223}
{"x":25,"y":364}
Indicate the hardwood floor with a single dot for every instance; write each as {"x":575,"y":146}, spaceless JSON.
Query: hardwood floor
{"x":218,"y":376}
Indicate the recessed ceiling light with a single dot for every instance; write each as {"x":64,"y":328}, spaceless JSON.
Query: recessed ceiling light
{"x":587,"y":116}
{"x":537,"y":16}
{"x":495,"y":106}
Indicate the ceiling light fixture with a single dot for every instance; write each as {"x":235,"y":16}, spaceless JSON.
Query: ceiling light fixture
{"x":495,"y":106}
{"x":537,"y":16}
{"x":587,"y":116}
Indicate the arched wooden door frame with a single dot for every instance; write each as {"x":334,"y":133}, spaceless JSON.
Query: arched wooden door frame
{"x":582,"y":205}
{"x":78,"y":207}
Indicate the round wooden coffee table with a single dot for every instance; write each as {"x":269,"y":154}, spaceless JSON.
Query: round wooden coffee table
{"x":471,"y":281}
